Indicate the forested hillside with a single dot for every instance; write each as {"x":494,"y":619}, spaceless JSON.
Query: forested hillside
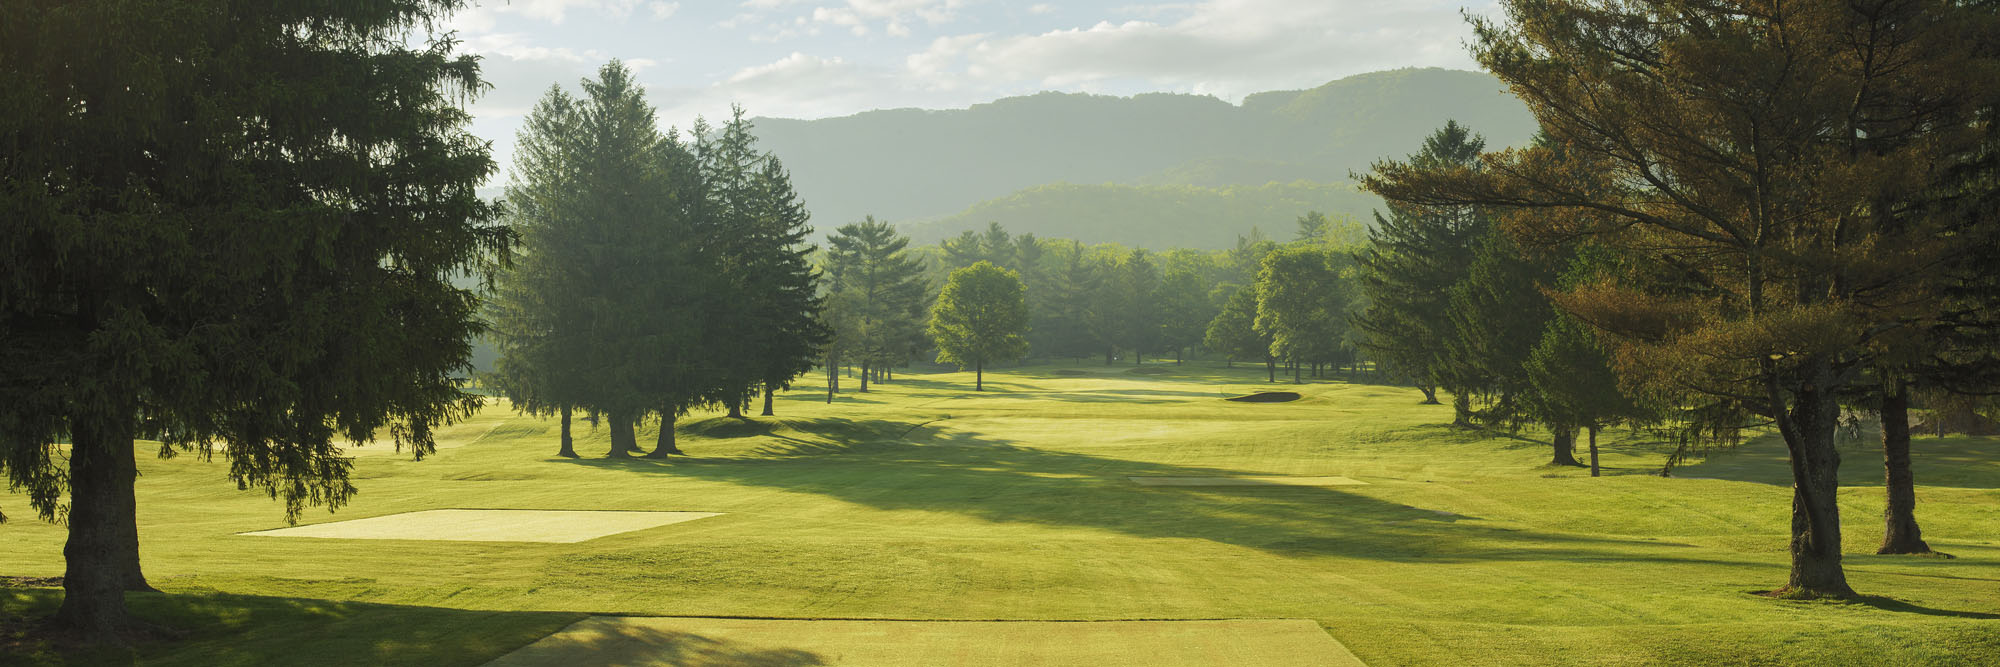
{"x":1153,"y":216}
{"x":937,"y":167}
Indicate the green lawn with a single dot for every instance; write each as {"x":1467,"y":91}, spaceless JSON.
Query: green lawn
{"x":923,"y":500}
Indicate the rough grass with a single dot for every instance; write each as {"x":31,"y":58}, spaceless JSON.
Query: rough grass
{"x":923,"y":500}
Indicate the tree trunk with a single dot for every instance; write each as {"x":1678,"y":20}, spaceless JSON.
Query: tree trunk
{"x":102,"y":554}
{"x":1177,"y":356}
{"x":979,"y":377}
{"x":736,"y":404}
{"x":1808,"y":428}
{"x":864,"y":377}
{"x":767,"y":402}
{"x":1430,"y":395}
{"x":1461,"y":410}
{"x":1565,"y":446}
{"x":1593,"y":451}
{"x":624,"y":439}
{"x":1270,"y":369}
{"x":568,"y":450}
{"x":1901,"y":534}
{"x":1295,"y":373}
{"x":664,"y":444}
{"x":832,"y":380}
{"x":1108,"y":352}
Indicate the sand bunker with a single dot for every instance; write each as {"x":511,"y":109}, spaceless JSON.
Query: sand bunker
{"x":1261,"y":480}
{"x":1267,"y":397}
{"x":560,"y":526}
{"x":692,"y":642}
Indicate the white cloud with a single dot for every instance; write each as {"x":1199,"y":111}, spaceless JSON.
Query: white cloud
{"x":556,"y":11}
{"x":664,"y":10}
{"x":1224,"y":47}
{"x":1041,"y":8}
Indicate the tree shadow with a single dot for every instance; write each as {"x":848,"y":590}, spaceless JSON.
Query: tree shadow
{"x":1899,"y":606}
{"x":1959,"y":461}
{"x":229,"y":629}
{"x":891,"y":465}
{"x":604,"y":641}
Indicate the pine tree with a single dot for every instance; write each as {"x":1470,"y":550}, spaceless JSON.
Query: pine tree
{"x":1067,"y":306}
{"x":211,"y":243}
{"x":980,"y":318}
{"x":1756,"y":154}
{"x":882,"y":293}
{"x":1414,"y":255}
{"x":1498,"y":314}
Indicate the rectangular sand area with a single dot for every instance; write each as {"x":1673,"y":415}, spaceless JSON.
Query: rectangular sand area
{"x":1258,"y":480}
{"x":560,"y":526}
{"x":690,"y":642}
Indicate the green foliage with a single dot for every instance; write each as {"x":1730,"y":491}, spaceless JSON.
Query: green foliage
{"x":1184,"y":309}
{"x":1571,"y":379}
{"x":212,"y":241}
{"x":980,"y":317}
{"x":1155,"y":215}
{"x":1413,"y":258}
{"x":1302,"y":303}
{"x":1234,"y":332}
{"x":878,"y":294}
{"x":1498,"y":315}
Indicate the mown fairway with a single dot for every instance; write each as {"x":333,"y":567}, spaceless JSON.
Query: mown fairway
{"x":922,"y":500}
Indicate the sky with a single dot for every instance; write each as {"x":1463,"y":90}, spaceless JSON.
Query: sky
{"x":823,"y":58}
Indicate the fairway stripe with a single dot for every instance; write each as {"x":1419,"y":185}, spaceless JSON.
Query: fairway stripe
{"x":611,"y":640}
{"x":1255,"y":480}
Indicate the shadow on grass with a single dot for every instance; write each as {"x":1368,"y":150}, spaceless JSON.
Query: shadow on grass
{"x":1901,"y":607}
{"x":224,"y":629}
{"x":1960,"y":461}
{"x":600,"y":642}
{"x":865,"y":462}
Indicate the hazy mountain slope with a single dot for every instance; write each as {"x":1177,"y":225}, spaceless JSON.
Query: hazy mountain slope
{"x":1152,"y":216}
{"x":910,"y":164}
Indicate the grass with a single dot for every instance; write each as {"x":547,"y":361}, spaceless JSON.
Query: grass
{"x":923,"y":500}
{"x":705,"y":642}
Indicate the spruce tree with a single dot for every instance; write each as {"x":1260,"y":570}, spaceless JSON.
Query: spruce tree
{"x":1413,"y":257}
{"x":212,"y":244}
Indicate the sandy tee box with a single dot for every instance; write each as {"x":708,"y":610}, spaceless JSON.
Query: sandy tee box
{"x":473,"y":525}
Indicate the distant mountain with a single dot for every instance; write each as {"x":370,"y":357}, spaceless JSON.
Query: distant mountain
{"x":1152,"y":216}
{"x":931,"y":170}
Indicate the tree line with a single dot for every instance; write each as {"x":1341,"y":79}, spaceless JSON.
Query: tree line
{"x":657,"y":273}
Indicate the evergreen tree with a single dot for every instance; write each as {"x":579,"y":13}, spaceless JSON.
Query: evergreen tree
{"x":209,"y":242}
{"x":1067,"y":306}
{"x":980,"y":318}
{"x":1498,"y":314}
{"x":881,"y":291}
{"x":766,"y":330}
{"x":1414,"y":255}
{"x":1573,"y":384}
{"x":1133,"y":285}
{"x":1774,"y":190}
